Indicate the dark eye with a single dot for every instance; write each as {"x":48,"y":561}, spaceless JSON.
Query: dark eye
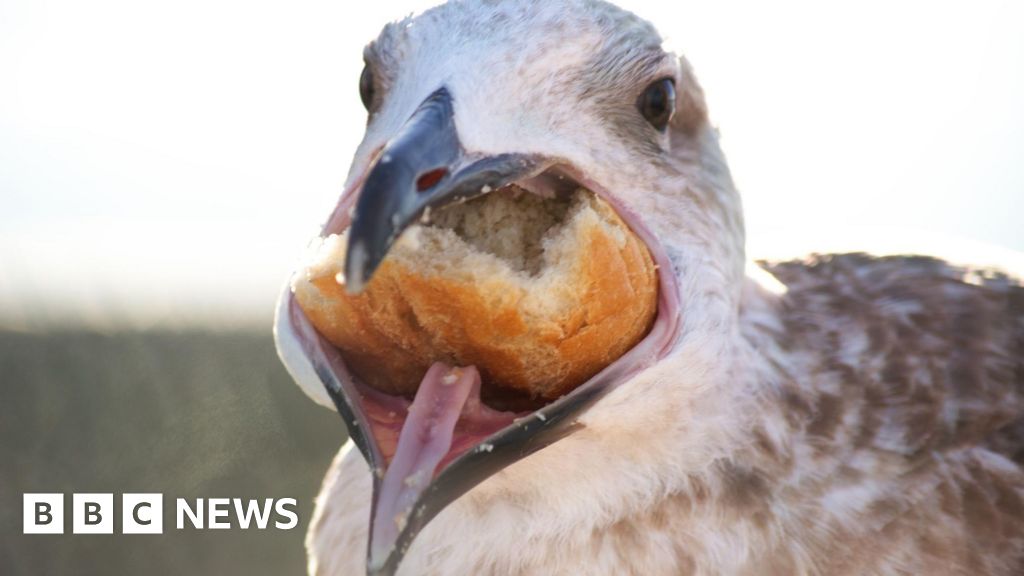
{"x":366,"y":86}
{"x":658,"y":102}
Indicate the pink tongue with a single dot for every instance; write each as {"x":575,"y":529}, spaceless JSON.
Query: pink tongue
{"x":425,"y":439}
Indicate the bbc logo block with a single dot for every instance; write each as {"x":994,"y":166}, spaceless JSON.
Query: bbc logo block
{"x":142,"y":514}
{"x":43,"y":514}
{"x":92,"y":513}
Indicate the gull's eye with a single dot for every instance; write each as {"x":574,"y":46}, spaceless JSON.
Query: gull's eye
{"x":366,"y":86}
{"x":658,"y":102}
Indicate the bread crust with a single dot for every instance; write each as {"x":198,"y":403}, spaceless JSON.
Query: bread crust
{"x":411,"y":315}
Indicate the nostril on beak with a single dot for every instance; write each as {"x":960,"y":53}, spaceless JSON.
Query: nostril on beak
{"x":430,"y":179}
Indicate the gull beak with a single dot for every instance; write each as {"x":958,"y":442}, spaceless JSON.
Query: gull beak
{"x":423,"y":166}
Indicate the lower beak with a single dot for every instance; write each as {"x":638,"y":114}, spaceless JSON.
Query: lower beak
{"x":403,"y":504}
{"x":423,"y":166}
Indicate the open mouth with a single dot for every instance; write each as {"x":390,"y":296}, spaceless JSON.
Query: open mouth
{"x":434,"y":425}
{"x":519,"y":244}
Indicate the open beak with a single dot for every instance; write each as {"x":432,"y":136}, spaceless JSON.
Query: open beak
{"x":424,"y":166}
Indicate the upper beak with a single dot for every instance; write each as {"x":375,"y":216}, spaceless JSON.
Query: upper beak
{"x":423,"y":166}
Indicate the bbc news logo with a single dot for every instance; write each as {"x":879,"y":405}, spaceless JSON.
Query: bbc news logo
{"x":144,"y":513}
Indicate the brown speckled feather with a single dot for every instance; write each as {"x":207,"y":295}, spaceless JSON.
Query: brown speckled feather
{"x":901,"y":380}
{"x":929,"y":355}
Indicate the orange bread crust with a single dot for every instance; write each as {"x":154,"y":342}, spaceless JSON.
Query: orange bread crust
{"x":407,"y":318}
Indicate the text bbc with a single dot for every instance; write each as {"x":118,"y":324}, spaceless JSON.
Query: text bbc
{"x":144,"y":513}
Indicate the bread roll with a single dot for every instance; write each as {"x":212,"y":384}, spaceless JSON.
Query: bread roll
{"x":538,"y":293}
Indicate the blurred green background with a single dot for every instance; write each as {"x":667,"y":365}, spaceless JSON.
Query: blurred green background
{"x":189,"y":413}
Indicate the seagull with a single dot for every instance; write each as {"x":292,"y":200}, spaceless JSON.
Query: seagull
{"x":836,"y":414}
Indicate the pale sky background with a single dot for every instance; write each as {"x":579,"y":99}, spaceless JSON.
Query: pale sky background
{"x":167,"y":162}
